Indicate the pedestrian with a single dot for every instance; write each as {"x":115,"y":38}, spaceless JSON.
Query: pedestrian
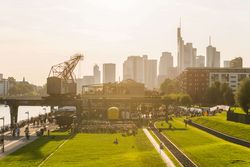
{"x":14,"y":132}
{"x":161,"y":146}
{"x":186,"y":122}
{"x":18,"y":131}
{"x":26,"y":131}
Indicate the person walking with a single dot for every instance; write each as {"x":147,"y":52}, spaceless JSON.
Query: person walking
{"x":18,"y":131}
{"x":186,"y":122}
{"x":26,"y":131}
{"x":14,"y":132}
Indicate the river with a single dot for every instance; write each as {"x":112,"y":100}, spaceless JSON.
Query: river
{"x":33,"y":111}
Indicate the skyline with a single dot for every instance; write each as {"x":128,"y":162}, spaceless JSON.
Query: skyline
{"x":44,"y":34}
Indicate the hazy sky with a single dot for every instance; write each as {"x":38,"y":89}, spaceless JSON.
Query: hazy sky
{"x":34,"y":35}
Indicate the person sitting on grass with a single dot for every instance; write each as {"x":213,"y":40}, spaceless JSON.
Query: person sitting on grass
{"x":170,"y":125}
{"x":116,"y":141}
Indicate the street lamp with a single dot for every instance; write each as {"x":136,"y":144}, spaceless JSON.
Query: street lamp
{"x":3,"y":135}
{"x":28,"y":117}
{"x":45,"y":116}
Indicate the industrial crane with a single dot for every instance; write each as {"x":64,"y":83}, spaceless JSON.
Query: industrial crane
{"x":61,"y":79}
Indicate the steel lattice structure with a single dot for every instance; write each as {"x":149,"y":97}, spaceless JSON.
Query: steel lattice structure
{"x":65,"y":70}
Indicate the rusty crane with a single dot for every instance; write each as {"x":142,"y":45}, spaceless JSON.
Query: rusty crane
{"x":61,"y":79}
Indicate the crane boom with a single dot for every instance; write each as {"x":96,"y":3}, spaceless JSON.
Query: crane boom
{"x":61,"y":80}
{"x":65,"y":70}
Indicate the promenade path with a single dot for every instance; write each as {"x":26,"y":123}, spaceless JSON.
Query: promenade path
{"x":163,"y":155}
{"x":13,"y":143}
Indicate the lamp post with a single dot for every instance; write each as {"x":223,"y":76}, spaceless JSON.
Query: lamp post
{"x":45,"y":116}
{"x":28,"y":114}
{"x":3,"y":135}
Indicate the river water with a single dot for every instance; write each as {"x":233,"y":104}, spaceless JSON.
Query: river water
{"x":33,"y":112}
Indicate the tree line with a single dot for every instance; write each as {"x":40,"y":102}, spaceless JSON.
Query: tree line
{"x":218,"y":93}
{"x":25,"y":88}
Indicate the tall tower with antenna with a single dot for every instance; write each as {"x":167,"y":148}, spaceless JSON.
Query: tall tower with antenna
{"x":186,"y":52}
{"x":212,"y":56}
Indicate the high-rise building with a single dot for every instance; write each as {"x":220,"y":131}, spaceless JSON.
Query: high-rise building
{"x":200,"y":61}
{"x":150,"y":73}
{"x":236,"y":63}
{"x":97,"y":74}
{"x":213,"y":56}
{"x":166,"y":62}
{"x":226,"y":63}
{"x":186,"y":53}
{"x":133,"y":68}
{"x":141,"y":69}
{"x":109,"y":73}
{"x":165,"y":67}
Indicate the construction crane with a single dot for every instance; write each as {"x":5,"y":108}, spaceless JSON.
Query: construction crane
{"x":61,"y":79}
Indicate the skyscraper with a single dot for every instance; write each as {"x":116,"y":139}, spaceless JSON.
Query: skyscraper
{"x":213,"y":56}
{"x":200,"y":61}
{"x":165,"y":67}
{"x":186,"y":53}
{"x":109,"y":73}
{"x":97,"y":74}
{"x":141,"y":69}
{"x":133,"y":69}
{"x":166,"y":61}
{"x":150,"y":73}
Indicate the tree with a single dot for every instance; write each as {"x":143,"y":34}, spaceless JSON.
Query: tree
{"x":170,"y":99}
{"x":212,"y":95}
{"x":228,"y":97}
{"x":219,"y":94}
{"x":23,"y":89}
{"x":169,"y":86}
{"x":243,"y":95}
{"x":185,"y":99}
{"x":177,"y":99}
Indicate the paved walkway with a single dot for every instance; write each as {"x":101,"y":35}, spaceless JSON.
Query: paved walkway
{"x":165,"y":158}
{"x":14,"y":143}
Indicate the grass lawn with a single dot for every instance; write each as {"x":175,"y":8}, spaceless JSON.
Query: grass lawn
{"x":87,"y":150}
{"x":99,"y":150}
{"x":220,"y":123}
{"x":33,"y":153}
{"x":204,"y":149}
{"x":238,"y":110}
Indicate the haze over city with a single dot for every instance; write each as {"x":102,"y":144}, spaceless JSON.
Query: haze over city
{"x":125,"y":83}
{"x":37,"y":35}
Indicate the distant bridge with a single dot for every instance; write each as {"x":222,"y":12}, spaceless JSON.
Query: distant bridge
{"x":90,"y":103}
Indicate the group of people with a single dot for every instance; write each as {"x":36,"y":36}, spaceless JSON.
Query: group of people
{"x":41,"y":119}
{"x":127,"y":128}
